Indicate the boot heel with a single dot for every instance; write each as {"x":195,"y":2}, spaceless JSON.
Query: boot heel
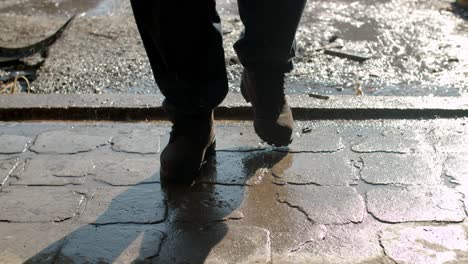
{"x":244,"y":92}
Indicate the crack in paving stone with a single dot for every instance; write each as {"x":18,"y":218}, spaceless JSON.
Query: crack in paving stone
{"x":10,"y":171}
{"x":379,"y":236}
{"x":297,"y":207}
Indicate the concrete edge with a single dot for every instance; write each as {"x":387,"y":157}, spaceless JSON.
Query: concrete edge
{"x":118,"y":107}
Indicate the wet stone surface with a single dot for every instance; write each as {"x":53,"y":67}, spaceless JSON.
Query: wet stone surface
{"x":383,"y":168}
{"x":13,"y":144}
{"x":33,"y":204}
{"x":402,"y":142}
{"x":138,"y":141}
{"x":451,"y":143}
{"x":233,"y":244}
{"x":439,"y":204}
{"x":123,"y":171}
{"x":324,"y":204}
{"x":142,"y":204}
{"x":54,"y":170}
{"x":426,"y":244}
{"x":251,"y":204}
{"x":318,"y":141}
{"x":319,"y":169}
{"x":111,"y":244}
{"x":68,"y":142}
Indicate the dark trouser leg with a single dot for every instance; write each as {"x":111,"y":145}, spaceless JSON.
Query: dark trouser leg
{"x":184,"y":44}
{"x":268,"y":39}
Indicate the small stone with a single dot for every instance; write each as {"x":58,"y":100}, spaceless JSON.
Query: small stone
{"x":68,"y":142}
{"x":13,"y":144}
{"x":415,"y":203}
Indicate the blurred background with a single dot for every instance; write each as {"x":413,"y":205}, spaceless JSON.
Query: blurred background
{"x":385,"y":47}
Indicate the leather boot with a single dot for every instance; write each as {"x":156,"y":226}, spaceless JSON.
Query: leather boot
{"x":273,"y":120}
{"x":191,"y":142}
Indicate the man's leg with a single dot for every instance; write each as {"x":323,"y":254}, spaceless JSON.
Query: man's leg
{"x":266,"y":49}
{"x":184,"y":45}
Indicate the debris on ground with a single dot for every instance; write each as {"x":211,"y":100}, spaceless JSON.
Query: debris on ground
{"x":306,"y":130}
{"x":347,"y":54}
{"x":319,"y":96}
{"x":42,"y":47}
{"x":14,"y":86}
{"x":358,"y":89}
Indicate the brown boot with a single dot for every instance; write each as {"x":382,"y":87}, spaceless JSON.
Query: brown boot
{"x":192,"y":141}
{"x":273,"y":120}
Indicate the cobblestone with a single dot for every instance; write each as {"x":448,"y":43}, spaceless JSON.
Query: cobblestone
{"x":68,"y":142}
{"x":138,"y":141}
{"x":384,"y":168}
{"x":13,"y":144}
{"x":439,"y":204}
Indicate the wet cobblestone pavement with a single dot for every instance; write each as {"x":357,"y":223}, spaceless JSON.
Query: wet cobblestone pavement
{"x":382,"y":191}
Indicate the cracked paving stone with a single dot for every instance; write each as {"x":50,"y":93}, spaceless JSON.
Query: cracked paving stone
{"x":321,"y":169}
{"x":142,"y":204}
{"x":387,"y":168}
{"x":54,"y":170}
{"x":456,"y":167}
{"x":325,"y":204}
{"x":402,"y":142}
{"x":240,"y":168}
{"x":454,"y":143}
{"x":318,"y":141}
{"x":213,"y":203}
{"x":31,"y":243}
{"x":415,"y":203}
{"x":13,"y":144}
{"x":216,"y":244}
{"x":39,"y":204}
{"x":67,"y":142}
{"x":426,"y":244}
{"x":138,"y":141}
{"x":350,"y":243}
{"x":6,"y":168}
{"x":111,"y":244}
{"x":119,"y":171}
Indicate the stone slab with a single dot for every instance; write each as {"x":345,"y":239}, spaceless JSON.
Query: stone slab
{"x":13,"y":144}
{"x":39,"y":204}
{"x":392,"y":141}
{"x":126,"y":171}
{"x":453,"y":143}
{"x":217,"y":244}
{"x":7,"y":166}
{"x":416,"y":203}
{"x":456,"y":167}
{"x":31,"y":243}
{"x":325,"y":204}
{"x":55,"y":170}
{"x":426,"y":244}
{"x":68,"y":142}
{"x":142,"y":204}
{"x":319,"y":169}
{"x":139,"y":141}
{"x":389,"y":168}
{"x":111,"y":244}
{"x":318,"y":141}
{"x":341,"y":244}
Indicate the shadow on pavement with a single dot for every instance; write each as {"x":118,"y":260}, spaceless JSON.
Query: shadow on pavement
{"x":192,"y":218}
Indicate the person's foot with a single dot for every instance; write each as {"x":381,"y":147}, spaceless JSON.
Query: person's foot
{"x":192,"y":141}
{"x":273,"y":120}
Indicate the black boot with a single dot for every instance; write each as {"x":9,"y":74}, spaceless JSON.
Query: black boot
{"x":273,"y":120}
{"x":192,"y":141}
